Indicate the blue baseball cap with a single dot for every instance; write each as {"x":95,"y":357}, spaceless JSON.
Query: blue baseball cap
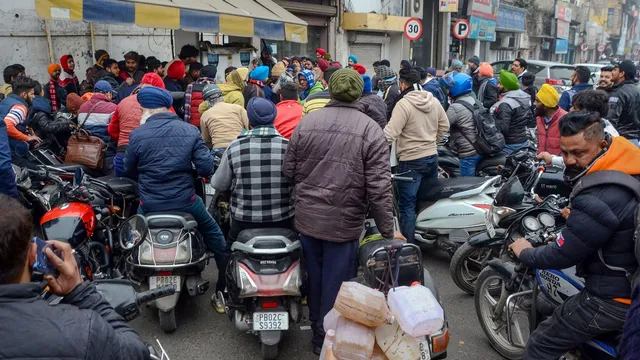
{"x":103,"y":86}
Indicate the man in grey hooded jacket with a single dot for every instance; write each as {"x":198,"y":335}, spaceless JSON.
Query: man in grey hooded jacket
{"x":512,"y":113}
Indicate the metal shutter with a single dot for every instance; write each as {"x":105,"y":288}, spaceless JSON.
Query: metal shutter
{"x":367,"y":54}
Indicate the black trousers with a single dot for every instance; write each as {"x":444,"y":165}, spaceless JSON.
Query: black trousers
{"x":579,"y":319}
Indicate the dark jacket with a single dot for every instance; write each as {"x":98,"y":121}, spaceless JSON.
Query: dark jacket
{"x":461,"y":122}
{"x":375,"y":108}
{"x":82,"y":326}
{"x":433,"y":86}
{"x":630,"y":341}
{"x":512,"y":115}
{"x":475,"y":77}
{"x":624,"y":112}
{"x":391,"y":98}
{"x":96,"y":73}
{"x":52,"y":130}
{"x":338,"y":161}
{"x":489,"y":94}
{"x":160,"y":155}
{"x":567,"y":96}
{"x":176,"y":86}
{"x":602,"y":217}
{"x":252,"y":90}
{"x":532,"y":91}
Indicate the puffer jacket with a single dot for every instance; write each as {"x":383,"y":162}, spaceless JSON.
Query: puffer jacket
{"x":232,"y":94}
{"x":52,"y":130}
{"x":338,"y":161}
{"x":549,"y":134}
{"x":624,"y":112}
{"x":159,"y":156}
{"x":172,"y":85}
{"x":125,"y":119}
{"x":602,"y":217}
{"x":512,"y":115}
{"x":487,"y":91}
{"x":82,"y":326}
{"x":97,"y":121}
{"x":375,"y":108}
{"x":461,"y":122}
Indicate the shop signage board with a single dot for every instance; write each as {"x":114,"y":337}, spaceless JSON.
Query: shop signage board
{"x":486,"y":9}
{"x":482,"y":29}
{"x":562,"y":46}
{"x":563,"y":12}
{"x":511,"y":18}
{"x":448,"y":5}
{"x":563,"y":28}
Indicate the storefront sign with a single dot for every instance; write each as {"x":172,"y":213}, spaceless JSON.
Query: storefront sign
{"x":486,"y":9}
{"x":482,"y":29}
{"x":448,"y":5}
{"x":511,"y":18}
{"x":562,"y":46}
{"x":562,"y":29}
{"x":563,"y":12}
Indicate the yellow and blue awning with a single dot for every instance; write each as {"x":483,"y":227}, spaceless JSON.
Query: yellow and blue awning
{"x":262,"y":18}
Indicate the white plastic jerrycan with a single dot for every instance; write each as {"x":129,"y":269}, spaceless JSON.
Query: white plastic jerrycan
{"x":415,"y":308}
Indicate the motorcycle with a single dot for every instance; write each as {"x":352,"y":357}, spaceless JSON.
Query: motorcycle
{"x":508,"y":293}
{"x":219,"y":203}
{"x":264,"y":280}
{"x":449,"y":164}
{"x":539,"y":180}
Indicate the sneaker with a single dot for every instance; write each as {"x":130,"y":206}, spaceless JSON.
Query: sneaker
{"x":217,"y":300}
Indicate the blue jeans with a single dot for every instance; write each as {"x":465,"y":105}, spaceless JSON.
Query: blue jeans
{"x":635,"y":142}
{"x":328,"y":265}
{"x":511,"y":148}
{"x":212,"y":235}
{"x":468,"y":165}
{"x":118,"y":165}
{"x":424,"y":169}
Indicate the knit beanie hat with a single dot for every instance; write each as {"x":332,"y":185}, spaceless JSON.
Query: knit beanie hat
{"x":151,"y":97}
{"x":52,"y":68}
{"x":385,"y":72}
{"x":323,"y":64}
{"x":74,"y":102}
{"x":64,"y":62}
{"x":367,"y":84}
{"x":152,"y":79}
{"x":132,"y":55}
{"x":261,"y":111}
{"x":101,"y":55}
{"x":353,"y":58}
{"x":509,"y":80}
{"x":278,"y":69}
{"x":360,"y":69}
{"x":321,"y":51}
{"x":405,"y":64}
{"x":261,"y":73}
{"x":456,"y":65}
{"x":346,"y":85}
{"x":485,"y":70}
{"x":209,"y":71}
{"x":175,"y":70}
{"x":475,"y":59}
{"x":432,"y":71}
{"x":211,"y":92}
{"x":548,"y":96}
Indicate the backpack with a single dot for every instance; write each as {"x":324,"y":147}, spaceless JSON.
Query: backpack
{"x":629,"y":182}
{"x":489,"y":140}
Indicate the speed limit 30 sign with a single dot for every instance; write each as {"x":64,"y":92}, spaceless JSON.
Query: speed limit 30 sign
{"x":461,"y":29}
{"x":413,"y":29}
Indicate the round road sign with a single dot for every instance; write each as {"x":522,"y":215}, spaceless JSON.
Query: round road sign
{"x":413,"y":29}
{"x":584,"y":47}
{"x":461,"y":29}
{"x":601,"y":48}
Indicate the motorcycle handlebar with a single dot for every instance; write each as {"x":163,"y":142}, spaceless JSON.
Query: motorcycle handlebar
{"x":154,"y":294}
{"x":402,"y":179}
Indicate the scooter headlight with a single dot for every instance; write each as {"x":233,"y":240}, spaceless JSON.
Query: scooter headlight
{"x":498,"y":213}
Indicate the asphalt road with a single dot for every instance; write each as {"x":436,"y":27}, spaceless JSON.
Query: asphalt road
{"x":204,"y":334}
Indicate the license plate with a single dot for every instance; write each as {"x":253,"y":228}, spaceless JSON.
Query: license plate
{"x":270,"y":321}
{"x":489,"y":224}
{"x":209,"y":190}
{"x":160,"y":281}
{"x":425,"y":350}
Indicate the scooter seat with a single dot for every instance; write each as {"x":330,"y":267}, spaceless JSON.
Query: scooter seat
{"x":171,"y":220}
{"x":444,"y":188}
{"x":493,"y":161}
{"x":121,"y":185}
{"x":265,"y":234}
{"x":445,"y":151}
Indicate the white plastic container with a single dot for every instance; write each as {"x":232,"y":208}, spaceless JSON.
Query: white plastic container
{"x":330,"y":320}
{"x":415,"y":308}
{"x":397,"y":344}
{"x":353,"y":341}
{"x":327,"y":345}
{"x":362,"y":304}
{"x":378,"y":354}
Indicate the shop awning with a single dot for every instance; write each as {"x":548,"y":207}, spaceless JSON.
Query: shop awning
{"x":262,"y":18}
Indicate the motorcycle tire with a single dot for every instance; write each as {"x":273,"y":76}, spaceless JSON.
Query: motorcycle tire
{"x":168,"y":322}
{"x":269,"y":352}
{"x":460,"y":265}
{"x":500,"y":344}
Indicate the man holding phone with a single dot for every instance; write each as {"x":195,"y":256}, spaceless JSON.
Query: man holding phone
{"x":82,"y":326}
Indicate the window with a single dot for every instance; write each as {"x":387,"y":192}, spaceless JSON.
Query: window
{"x":535,"y":69}
{"x":501,"y":65}
{"x":289,"y":49}
{"x":561,"y":72}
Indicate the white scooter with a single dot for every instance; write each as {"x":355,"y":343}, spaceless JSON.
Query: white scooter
{"x":452,"y":210}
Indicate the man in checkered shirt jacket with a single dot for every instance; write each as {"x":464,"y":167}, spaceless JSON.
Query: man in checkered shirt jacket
{"x":251,"y":168}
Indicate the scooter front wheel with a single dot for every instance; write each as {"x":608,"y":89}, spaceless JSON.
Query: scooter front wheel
{"x":168,"y":322}
{"x":269,"y":352}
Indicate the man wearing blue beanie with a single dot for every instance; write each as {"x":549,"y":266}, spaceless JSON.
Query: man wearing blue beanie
{"x":160,"y":156}
{"x":260,"y":194}
{"x":372,"y":104}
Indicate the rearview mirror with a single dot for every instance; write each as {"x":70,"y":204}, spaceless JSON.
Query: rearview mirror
{"x":133,"y":232}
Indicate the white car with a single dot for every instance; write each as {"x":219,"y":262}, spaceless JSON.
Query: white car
{"x":595,"y":71}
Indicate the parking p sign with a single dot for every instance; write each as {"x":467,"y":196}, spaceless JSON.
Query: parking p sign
{"x":413,"y":29}
{"x":461,"y":29}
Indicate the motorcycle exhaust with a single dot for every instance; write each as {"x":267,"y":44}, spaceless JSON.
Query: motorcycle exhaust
{"x":241,"y":321}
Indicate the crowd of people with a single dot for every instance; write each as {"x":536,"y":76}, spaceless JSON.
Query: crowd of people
{"x":313,"y":128}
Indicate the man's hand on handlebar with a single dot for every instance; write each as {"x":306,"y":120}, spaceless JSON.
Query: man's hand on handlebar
{"x":69,"y":275}
{"x":545,"y":156}
{"x":35,"y":138}
{"x":520,"y":245}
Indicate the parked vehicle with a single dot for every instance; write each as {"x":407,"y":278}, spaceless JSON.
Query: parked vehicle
{"x":595,"y":71}
{"x":555,"y":74}
{"x":449,"y":164}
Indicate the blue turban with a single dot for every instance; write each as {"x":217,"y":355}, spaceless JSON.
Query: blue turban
{"x":151,"y":97}
{"x":367,"y":84}
{"x":261,"y":111}
{"x":261,"y":73}
{"x":354,"y":59}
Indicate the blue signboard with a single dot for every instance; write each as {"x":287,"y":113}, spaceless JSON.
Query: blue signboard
{"x":562,"y":46}
{"x":511,"y":18}
{"x":482,"y":29}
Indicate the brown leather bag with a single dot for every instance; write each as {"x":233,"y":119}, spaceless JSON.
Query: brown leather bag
{"x":85,"y":149}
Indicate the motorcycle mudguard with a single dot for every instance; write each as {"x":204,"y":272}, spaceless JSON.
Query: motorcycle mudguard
{"x":430,"y":284}
{"x":270,"y":337}
{"x":482,"y":239}
{"x":168,"y":303}
{"x":506,"y":269}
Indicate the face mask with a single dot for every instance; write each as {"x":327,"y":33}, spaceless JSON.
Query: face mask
{"x":573,"y":173}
